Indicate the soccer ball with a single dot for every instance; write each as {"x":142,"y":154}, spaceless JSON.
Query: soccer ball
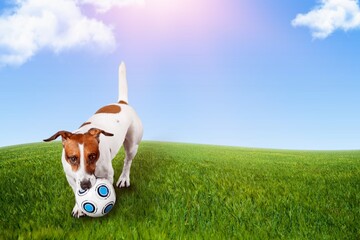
{"x":98,"y":200}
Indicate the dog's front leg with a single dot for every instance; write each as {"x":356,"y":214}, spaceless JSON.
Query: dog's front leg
{"x":110,"y":174}
{"x":107,"y":172}
{"x":104,"y":167}
{"x":76,"y":212}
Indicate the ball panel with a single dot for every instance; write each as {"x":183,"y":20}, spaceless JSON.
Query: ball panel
{"x":103,"y":191}
{"x":108,"y":208}
{"x":89,"y":207}
{"x":82,"y":192}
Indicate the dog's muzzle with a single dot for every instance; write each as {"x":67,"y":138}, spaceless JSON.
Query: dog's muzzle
{"x":85,"y":184}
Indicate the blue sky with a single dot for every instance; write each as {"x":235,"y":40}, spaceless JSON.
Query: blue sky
{"x":227,"y":72}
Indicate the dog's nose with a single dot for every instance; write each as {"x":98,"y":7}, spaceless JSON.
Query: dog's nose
{"x":85,"y":184}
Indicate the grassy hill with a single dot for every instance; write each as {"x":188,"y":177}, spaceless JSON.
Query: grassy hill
{"x":184,"y":191}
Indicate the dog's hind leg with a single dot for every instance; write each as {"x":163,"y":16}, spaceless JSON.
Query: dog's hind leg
{"x":130,"y":152}
{"x":131,"y":145}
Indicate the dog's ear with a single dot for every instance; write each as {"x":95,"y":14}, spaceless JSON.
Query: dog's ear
{"x":96,"y":133}
{"x":64,"y":134}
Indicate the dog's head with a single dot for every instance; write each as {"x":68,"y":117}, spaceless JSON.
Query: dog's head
{"x":81,"y":152}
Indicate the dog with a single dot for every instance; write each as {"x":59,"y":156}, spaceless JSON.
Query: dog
{"x":88,"y":151}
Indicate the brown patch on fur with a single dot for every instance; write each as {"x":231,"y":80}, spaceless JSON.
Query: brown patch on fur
{"x":85,"y":123}
{"x":123,"y":102}
{"x":109,"y":109}
{"x":91,"y":153}
{"x":72,"y":151}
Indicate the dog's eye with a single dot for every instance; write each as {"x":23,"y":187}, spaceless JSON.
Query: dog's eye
{"x":92,"y":157}
{"x":73,"y":159}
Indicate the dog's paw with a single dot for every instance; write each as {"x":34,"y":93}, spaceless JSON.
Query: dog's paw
{"x":124,"y":181}
{"x":76,"y":212}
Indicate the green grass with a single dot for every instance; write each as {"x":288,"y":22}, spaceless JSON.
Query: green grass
{"x":184,"y":191}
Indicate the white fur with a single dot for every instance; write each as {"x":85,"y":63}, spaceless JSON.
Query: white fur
{"x":127,"y":129}
{"x":81,"y":174}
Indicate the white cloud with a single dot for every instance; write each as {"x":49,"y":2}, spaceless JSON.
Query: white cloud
{"x":52,"y":24}
{"x":105,"y":5}
{"x":330,"y":16}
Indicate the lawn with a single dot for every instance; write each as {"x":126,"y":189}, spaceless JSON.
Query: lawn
{"x":185,"y":191}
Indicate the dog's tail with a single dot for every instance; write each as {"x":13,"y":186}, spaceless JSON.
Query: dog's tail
{"x":123,"y":88}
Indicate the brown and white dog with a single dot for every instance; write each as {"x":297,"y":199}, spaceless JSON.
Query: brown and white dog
{"x":88,"y":151}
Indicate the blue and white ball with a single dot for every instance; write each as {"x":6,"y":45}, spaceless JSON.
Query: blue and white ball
{"x":98,"y":200}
